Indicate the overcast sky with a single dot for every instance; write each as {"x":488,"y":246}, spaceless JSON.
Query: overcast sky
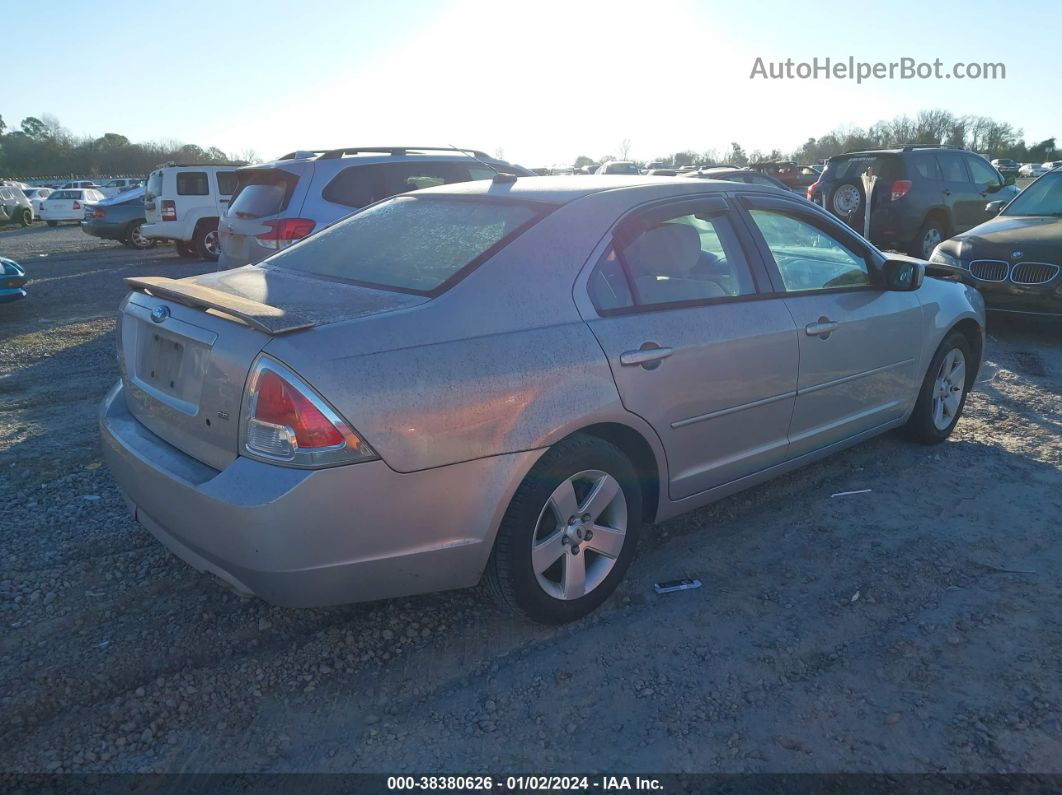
{"x":541,"y":81}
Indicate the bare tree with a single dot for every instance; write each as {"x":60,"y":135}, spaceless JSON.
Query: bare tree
{"x":624,"y":148}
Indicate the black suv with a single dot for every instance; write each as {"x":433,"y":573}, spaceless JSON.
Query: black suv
{"x":923,"y":195}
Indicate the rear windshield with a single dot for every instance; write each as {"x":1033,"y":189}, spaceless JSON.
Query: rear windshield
{"x":262,"y":192}
{"x":154,"y":186}
{"x":621,"y":168}
{"x":66,"y":194}
{"x":885,"y":166}
{"x":412,"y":244}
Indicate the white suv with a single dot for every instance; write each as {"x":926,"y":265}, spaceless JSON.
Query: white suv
{"x":113,"y":187}
{"x":182,"y":203}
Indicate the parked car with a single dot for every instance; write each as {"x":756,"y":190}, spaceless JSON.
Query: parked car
{"x":68,"y":205}
{"x":36,"y":198}
{"x":655,"y":164}
{"x":730,"y":174}
{"x":923,"y":194}
{"x":85,"y":184}
{"x":807,"y":176}
{"x":1014,"y":259}
{"x":680,"y":340}
{"x":786,"y":172}
{"x":661,"y":172}
{"x":15,"y":208}
{"x":183,"y":202}
{"x":1006,"y":166}
{"x":119,"y":218}
{"x":277,"y":204}
{"x":113,"y":187}
{"x":625,"y":167}
{"x":1032,"y":170}
{"x":1051,"y":165}
{"x":12,"y":281}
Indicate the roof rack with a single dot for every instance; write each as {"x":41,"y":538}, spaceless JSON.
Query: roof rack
{"x":174,"y":164}
{"x":396,"y":151}
{"x":909,"y":147}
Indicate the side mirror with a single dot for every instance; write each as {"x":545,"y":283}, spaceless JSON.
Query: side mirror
{"x":994,"y":208}
{"x":994,"y":187}
{"x":903,"y":275}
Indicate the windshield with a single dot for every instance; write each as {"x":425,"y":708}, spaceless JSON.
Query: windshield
{"x":1043,"y":197}
{"x":412,"y":244}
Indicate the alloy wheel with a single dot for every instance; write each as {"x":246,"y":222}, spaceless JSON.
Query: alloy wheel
{"x":210,"y":243}
{"x":948,"y":389}
{"x":579,"y":535}
{"x":137,"y":237}
{"x":930,"y":241}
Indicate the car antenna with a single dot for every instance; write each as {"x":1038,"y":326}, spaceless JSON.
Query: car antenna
{"x":498,"y":176}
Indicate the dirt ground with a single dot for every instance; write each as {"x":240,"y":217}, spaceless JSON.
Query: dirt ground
{"x":916,"y":627}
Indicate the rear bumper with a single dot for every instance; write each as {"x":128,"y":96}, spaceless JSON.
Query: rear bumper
{"x":301,"y":538}
{"x":107,"y":231}
{"x":168,"y":230}
{"x":10,"y":294}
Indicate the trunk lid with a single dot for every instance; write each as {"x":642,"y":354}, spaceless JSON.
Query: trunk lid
{"x":186,"y":346}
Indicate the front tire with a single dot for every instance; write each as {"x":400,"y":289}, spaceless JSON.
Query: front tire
{"x":943,"y":394}
{"x":26,"y":218}
{"x":569,"y":534}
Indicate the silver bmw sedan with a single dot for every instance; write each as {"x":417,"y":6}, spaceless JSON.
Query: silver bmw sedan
{"x":506,"y":380}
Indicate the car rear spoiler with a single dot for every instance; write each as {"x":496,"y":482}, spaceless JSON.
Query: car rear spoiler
{"x":266,"y":318}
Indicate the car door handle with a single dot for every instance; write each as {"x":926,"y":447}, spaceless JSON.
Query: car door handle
{"x":649,"y":358}
{"x":823,"y":328}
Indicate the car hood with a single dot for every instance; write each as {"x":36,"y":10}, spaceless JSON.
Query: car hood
{"x":276,"y":300}
{"x":1037,"y":237}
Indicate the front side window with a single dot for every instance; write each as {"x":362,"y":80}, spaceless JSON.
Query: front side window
{"x":983,"y":174}
{"x":192,"y":183}
{"x":807,"y":257}
{"x":411,"y":244}
{"x":690,"y":256}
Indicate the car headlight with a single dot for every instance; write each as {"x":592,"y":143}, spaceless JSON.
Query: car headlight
{"x":942,"y":257}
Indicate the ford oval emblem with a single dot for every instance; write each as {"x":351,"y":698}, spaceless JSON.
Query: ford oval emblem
{"x":1016,"y":254}
{"x":160,"y":313}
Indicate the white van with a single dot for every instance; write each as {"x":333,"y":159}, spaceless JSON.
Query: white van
{"x":183,"y":203}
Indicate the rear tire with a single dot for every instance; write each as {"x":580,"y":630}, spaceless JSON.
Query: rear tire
{"x":26,"y":218}
{"x":931,"y":234}
{"x":546,"y":567}
{"x":943,"y":394}
{"x":134,"y":238}
{"x":184,"y":249}
{"x":52,"y":223}
{"x":206,"y":242}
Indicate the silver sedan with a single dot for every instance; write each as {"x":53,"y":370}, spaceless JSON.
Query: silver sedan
{"x":506,"y":380}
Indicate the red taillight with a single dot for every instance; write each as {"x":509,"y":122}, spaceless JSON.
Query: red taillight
{"x":77,"y":205}
{"x":811,"y":190}
{"x":279,"y":403}
{"x":169,"y":210}
{"x":285,"y":231}
{"x":98,"y":213}
{"x":900,"y":188}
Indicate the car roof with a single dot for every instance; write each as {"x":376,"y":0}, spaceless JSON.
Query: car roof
{"x":564,"y":189}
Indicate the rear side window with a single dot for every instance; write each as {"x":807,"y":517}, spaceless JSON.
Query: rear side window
{"x":226,"y":182}
{"x":410,"y":244}
{"x":262,"y":192}
{"x":192,"y":183}
{"x":926,"y":167}
{"x":952,"y":167}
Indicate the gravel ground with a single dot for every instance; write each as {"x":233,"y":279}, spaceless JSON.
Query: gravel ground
{"x":912,"y":628}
